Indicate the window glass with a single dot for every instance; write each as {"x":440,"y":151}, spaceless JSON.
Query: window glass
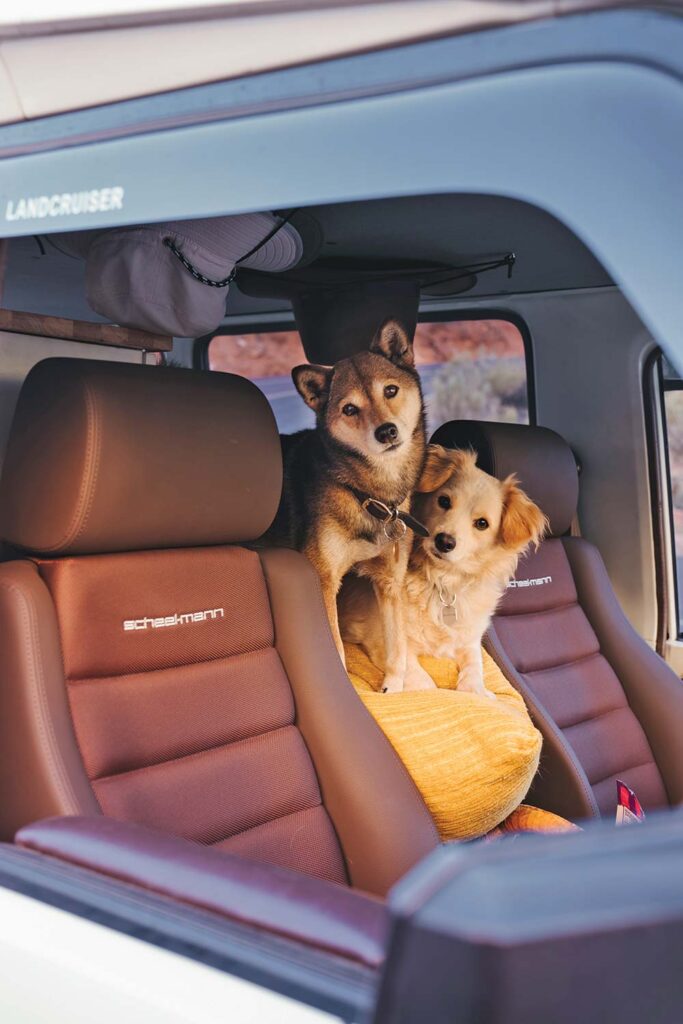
{"x":673,"y":411}
{"x":470,"y":369}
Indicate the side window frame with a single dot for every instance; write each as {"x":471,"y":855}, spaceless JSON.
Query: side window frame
{"x":669,"y":641}
{"x":494,"y":313}
{"x":660,"y":502}
{"x":200,"y":349}
{"x":257,"y":325}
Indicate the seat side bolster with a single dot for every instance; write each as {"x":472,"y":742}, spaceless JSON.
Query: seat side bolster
{"x":317,"y":913}
{"x":381,"y":820}
{"x":561,"y":784}
{"x":653,"y":690}
{"x":41,"y":772}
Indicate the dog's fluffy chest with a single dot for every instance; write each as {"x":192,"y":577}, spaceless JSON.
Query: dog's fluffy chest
{"x":444,"y":615}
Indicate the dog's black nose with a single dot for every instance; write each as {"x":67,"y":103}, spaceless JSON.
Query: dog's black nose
{"x":386,"y":433}
{"x":444,"y":541}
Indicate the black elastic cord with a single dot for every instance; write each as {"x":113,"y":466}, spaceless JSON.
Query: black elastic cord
{"x":190,"y":267}
{"x":271,"y":234}
{"x":427,"y":277}
{"x":211,"y":282}
{"x":478,"y":268}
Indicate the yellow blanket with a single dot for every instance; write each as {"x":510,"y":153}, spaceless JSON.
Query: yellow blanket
{"x":472,"y":758}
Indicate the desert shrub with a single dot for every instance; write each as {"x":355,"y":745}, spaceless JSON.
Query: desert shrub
{"x":674,"y":427}
{"x":485,"y":388}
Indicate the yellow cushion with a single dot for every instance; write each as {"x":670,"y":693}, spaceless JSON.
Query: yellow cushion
{"x":472,"y":758}
{"x":532,"y":819}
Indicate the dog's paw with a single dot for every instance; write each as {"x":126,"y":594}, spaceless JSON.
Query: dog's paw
{"x":472,"y":682}
{"x":418,"y":679}
{"x":392,"y":684}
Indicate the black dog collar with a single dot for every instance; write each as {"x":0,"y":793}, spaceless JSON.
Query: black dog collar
{"x":387,"y":513}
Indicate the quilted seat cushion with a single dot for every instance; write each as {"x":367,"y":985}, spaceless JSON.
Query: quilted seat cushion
{"x":545,"y":631}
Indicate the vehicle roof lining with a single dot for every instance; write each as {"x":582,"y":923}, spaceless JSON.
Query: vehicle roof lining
{"x":453,"y":230}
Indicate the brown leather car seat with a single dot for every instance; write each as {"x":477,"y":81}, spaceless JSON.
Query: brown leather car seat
{"x":155,"y":670}
{"x":607,"y":705}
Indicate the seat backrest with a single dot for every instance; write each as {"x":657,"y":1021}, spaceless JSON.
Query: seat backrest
{"x":155,"y":670}
{"x":608,"y":706}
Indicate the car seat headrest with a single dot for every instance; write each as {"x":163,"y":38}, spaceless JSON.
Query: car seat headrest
{"x":106,"y":457}
{"x":540,"y":458}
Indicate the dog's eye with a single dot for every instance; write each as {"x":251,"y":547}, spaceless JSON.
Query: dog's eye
{"x":391,"y":390}
{"x":443,"y":501}
{"x":350,"y":409}
{"x":481,"y":524}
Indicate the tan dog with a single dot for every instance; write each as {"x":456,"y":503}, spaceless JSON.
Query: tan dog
{"x":479,"y":526}
{"x":347,"y":481}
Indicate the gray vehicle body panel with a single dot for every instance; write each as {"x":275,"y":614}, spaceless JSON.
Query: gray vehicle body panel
{"x":588,"y":112}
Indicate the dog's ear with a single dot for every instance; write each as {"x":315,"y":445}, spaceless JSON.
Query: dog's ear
{"x":522,"y":522}
{"x":392,"y":342}
{"x":441,"y":463}
{"x":313,"y":384}
{"x":438,"y":467}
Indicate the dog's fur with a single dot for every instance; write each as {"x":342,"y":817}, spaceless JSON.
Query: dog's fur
{"x":472,"y":576}
{"x":319,"y":513}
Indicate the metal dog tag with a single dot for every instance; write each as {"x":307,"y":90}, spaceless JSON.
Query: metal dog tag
{"x":394,"y":529}
{"x":449,"y":609}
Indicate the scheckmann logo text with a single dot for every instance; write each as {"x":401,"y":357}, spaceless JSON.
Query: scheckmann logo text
{"x":65,"y":204}
{"x":179,"y":619}
{"x":539,"y":582}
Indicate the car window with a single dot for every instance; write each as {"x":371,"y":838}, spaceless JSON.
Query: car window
{"x":672,"y":386}
{"x":470,"y":369}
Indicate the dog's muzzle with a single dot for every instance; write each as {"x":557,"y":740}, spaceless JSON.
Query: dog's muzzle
{"x":387,"y":433}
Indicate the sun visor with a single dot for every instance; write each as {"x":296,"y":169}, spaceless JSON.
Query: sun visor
{"x":336,"y":319}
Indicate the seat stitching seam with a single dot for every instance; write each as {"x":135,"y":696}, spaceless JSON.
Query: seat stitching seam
{"x":530,"y":698}
{"x":87,"y":489}
{"x":32,"y":649}
{"x":195,"y":753}
{"x":270,"y":821}
{"x":567,"y":664}
{"x":94,"y":466}
{"x":169,"y":668}
{"x":540,"y":611}
{"x":628,"y":768}
{"x":596,"y":718}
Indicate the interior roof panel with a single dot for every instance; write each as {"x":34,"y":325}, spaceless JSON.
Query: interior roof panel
{"x":452,"y":229}
{"x":462,"y":229}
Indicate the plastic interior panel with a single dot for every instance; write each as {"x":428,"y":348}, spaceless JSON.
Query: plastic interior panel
{"x":314,"y":977}
{"x":540,"y":929}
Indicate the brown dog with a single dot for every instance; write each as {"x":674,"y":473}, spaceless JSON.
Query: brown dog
{"x":478,"y":528}
{"x":348,"y":482}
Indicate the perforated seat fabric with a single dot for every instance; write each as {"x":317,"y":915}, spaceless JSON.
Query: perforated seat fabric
{"x":189,"y":727}
{"x":191,"y":685}
{"x":608,"y":707}
{"x":553,"y":647}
